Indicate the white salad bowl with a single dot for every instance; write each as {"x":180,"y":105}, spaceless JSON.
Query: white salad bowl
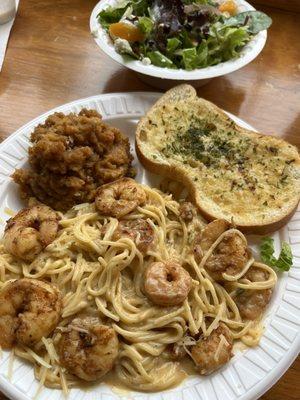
{"x":164,"y":78}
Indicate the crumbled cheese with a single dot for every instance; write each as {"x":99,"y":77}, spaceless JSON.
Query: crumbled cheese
{"x":146,"y":61}
{"x":223,"y":343}
{"x":122,"y":46}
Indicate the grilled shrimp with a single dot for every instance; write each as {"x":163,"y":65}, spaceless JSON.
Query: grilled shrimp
{"x":206,"y":353}
{"x":231,"y":254}
{"x":209,"y":235}
{"x":119,"y":198}
{"x":187,"y":211}
{"x":252,"y":303}
{"x":88,"y":349}
{"x":167,"y":283}
{"x":139,"y":230}
{"x":29,"y":310}
{"x":30,"y":231}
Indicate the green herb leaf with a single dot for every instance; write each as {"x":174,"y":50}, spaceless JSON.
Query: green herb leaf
{"x":255,"y":21}
{"x":145,"y":24}
{"x":285,"y":260}
{"x":158,"y":59}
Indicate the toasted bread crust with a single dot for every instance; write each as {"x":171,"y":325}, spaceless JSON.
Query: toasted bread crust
{"x":176,"y":171}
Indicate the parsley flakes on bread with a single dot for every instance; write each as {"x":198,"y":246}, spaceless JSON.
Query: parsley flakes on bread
{"x":230,"y":172}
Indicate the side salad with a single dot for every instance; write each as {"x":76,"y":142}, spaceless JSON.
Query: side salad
{"x":186,"y":34}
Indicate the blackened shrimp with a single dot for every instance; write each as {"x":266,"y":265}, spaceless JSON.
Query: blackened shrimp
{"x":231,"y":254}
{"x":167,"y":283}
{"x":252,"y":303}
{"x":119,"y":198}
{"x":209,"y":235}
{"x":187,"y":211}
{"x":30,"y":231}
{"x":139,"y":230}
{"x":88,"y":349}
{"x":29,"y":310}
{"x":213,"y":351}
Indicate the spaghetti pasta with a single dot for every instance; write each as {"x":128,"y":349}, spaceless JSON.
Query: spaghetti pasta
{"x":104,"y":277}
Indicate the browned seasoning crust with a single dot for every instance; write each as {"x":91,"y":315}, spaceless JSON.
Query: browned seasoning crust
{"x":88,"y":349}
{"x":71,"y":155}
{"x":230,"y":256}
{"x":30,"y":231}
{"x":187,"y":211}
{"x":204,"y":352}
{"x":138,"y":230}
{"x":252,"y":303}
{"x":29,"y":310}
{"x":167,"y":283}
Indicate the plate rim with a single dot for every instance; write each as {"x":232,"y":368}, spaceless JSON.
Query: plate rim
{"x":271,"y":377}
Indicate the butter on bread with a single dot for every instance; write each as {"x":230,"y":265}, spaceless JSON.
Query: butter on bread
{"x":231,"y":172}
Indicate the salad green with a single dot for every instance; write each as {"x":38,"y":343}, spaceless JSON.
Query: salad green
{"x":285,"y":259}
{"x":185,"y":34}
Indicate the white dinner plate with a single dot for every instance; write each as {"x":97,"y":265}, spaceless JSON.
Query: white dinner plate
{"x":250,"y":372}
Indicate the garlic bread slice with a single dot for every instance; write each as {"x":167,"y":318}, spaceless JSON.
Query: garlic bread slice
{"x":231,"y":172}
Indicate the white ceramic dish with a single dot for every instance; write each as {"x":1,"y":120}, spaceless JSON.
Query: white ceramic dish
{"x":249,"y":53}
{"x":251,"y":372}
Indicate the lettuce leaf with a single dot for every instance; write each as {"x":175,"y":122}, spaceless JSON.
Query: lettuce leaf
{"x":140,"y":7}
{"x":255,"y":21}
{"x":233,"y":40}
{"x":195,"y":57}
{"x":146,"y":25}
{"x":158,"y":59}
{"x":205,"y":2}
{"x":267,"y":251}
{"x":172,"y":45}
{"x":285,"y":259}
{"x":173,"y":39}
{"x":224,"y":43}
{"x":189,"y":57}
{"x":112,"y":14}
{"x":185,"y":39}
{"x":202,"y":52}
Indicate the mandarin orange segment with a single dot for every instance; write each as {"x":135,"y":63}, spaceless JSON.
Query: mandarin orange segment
{"x":228,"y":6}
{"x":126,"y":31}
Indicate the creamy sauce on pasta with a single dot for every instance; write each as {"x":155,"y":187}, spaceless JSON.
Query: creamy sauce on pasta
{"x":101,"y":276}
